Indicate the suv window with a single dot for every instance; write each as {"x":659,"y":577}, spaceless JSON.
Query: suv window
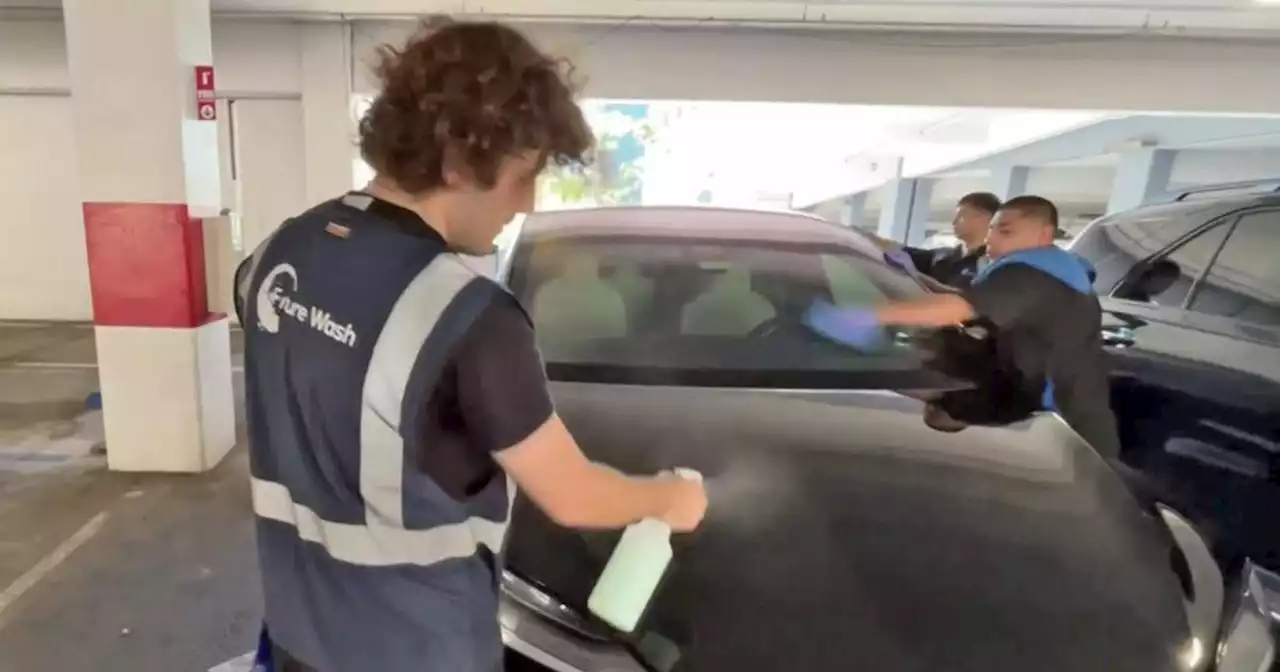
{"x":1244,"y":281}
{"x":652,"y":305}
{"x":1114,"y":244}
{"x":1190,"y":259}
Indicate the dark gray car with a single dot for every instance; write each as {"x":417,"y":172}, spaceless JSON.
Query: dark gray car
{"x":845,"y":532}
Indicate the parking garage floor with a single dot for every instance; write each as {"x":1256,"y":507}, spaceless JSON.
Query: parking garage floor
{"x":106,"y":571}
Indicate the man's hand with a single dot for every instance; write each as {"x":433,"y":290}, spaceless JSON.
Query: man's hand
{"x":575,"y":492}
{"x":688,"y":502}
{"x":848,"y":325}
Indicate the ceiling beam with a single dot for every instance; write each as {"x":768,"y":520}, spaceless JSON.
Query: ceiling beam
{"x":1165,"y":18}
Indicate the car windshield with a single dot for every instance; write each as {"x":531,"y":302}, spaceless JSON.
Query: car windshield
{"x":678,"y":309}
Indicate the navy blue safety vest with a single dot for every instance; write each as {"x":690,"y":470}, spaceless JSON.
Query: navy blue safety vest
{"x":1070,"y":269}
{"x":367,"y":565}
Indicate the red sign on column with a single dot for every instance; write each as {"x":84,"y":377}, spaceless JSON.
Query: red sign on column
{"x":206,"y":106}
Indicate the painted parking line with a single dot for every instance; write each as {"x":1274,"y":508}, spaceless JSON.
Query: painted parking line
{"x":47,"y":564}
{"x":54,"y":365}
{"x":238,"y":664}
{"x":237,"y":368}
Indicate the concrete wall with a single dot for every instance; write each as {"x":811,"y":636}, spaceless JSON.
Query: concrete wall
{"x":43,"y":269}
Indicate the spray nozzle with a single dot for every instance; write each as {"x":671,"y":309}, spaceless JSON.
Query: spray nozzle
{"x":688,"y":474}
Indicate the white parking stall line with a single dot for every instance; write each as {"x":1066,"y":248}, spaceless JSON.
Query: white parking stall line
{"x":47,"y":564}
{"x":235,"y":368}
{"x":54,"y":365}
{"x":238,"y":664}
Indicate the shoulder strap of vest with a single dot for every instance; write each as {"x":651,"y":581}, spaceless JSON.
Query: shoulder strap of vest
{"x":244,"y":282}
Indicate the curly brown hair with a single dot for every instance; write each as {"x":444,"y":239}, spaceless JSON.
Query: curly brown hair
{"x":464,"y":96}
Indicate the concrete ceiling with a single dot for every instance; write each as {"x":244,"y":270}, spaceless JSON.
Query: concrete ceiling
{"x":1096,"y":144}
{"x":1128,"y":16}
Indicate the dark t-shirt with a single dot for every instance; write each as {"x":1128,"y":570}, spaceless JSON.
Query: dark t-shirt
{"x":1047,"y":331}
{"x":492,"y":394}
{"x":950,"y":266}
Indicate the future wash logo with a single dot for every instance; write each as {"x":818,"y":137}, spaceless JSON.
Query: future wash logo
{"x":274,"y":302}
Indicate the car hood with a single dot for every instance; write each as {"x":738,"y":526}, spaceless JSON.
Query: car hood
{"x":843,"y":533}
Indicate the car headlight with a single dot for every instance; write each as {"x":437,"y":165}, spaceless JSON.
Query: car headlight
{"x":1249,"y":642}
{"x":538,"y":601}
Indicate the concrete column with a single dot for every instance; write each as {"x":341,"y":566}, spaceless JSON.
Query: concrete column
{"x":904,"y":210}
{"x":1141,"y":175}
{"x":148,"y":176}
{"x":327,"y":124}
{"x":1009,"y":181}
{"x":855,"y":207}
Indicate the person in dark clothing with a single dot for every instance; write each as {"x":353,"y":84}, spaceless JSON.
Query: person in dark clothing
{"x":1036,"y":299}
{"x":394,"y":393}
{"x":955,"y":266}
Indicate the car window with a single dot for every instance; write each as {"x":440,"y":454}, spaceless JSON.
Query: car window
{"x":1190,"y":259}
{"x":1114,"y":244}
{"x":1244,"y":281}
{"x":507,"y":237}
{"x":653,"y":303}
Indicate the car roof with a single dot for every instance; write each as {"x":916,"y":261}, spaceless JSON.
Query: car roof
{"x":731,"y":224}
{"x":1201,"y":209}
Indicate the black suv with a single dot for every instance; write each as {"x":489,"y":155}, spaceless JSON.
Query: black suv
{"x":1191,"y":290}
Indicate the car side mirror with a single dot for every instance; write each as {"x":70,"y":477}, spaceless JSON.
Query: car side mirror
{"x":1148,"y":280}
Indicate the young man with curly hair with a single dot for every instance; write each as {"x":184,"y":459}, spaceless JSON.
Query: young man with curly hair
{"x":393,"y":390}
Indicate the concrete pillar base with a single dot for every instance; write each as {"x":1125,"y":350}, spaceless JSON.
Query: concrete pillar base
{"x":168,"y":396}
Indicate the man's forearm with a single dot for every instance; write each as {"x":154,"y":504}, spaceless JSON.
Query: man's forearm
{"x":576,"y":492}
{"x":940,"y":310}
{"x":607,"y":499}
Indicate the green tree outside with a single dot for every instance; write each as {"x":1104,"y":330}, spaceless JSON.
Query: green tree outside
{"x":598,"y":183}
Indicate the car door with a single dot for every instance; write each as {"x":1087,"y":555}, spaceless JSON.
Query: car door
{"x":1195,"y":394}
{"x":1237,"y":303}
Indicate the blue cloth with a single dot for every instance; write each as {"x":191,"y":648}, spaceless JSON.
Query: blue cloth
{"x":1068,"y":268}
{"x":852,"y":326}
{"x":899,"y":258}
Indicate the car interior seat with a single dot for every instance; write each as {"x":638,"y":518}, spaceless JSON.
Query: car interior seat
{"x":849,"y":287}
{"x":1152,"y":281}
{"x":636,"y":290}
{"x":579,"y":305}
{"x":729,"y":307}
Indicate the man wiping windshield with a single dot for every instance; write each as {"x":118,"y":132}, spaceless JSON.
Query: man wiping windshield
{"x":956,"y":266}
{"x":1040,"y":300}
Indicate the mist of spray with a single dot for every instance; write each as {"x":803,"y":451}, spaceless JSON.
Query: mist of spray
{"x":750,"y":493}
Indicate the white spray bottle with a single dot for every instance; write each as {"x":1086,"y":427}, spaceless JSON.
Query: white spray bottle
{"x":634,"y":570}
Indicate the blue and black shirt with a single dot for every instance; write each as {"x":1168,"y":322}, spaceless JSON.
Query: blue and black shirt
{"x":953,"y":266}
{"x":1049,"y":325}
